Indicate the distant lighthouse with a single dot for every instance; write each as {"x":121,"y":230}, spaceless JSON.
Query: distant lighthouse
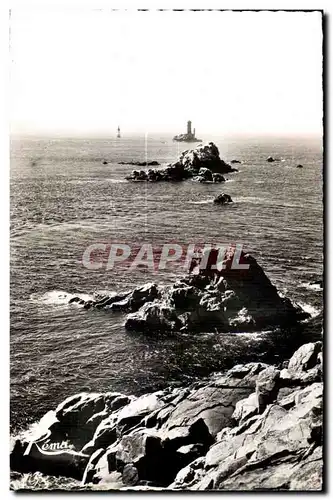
{"x":118,"y":134}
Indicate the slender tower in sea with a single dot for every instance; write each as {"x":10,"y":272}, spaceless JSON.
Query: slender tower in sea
{"x":118,"y":134}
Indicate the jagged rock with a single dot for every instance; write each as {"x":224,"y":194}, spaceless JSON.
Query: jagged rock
{"x":189,"y":475}
{"x":267,"y":451}
{"x":246,"y":408}
{"x":267,"y":387}
{"x":214,"y":296}
{"x":152,"y":316}
{"x":305,"y":357}
{"x":222,"y":199}
{"x":305,"y":366}
{"x":130,"y":475}
{"x":218,"y":178}
{"x":204,"y":157}
{"x":128,"y":301}
{"x":204,"y":175}
{"x":137,"y":175}
{"x":235,"y":161}
{"x":270,"y":159}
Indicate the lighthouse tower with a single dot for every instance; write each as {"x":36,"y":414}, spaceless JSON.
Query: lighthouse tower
{"x":189,"y":127}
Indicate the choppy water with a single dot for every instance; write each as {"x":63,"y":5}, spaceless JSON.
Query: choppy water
{"x":63,"y":198}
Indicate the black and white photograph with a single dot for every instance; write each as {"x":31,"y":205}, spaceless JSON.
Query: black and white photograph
{"x":166,"y":249}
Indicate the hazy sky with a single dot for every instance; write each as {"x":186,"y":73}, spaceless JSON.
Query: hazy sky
{"x":86,"y":71}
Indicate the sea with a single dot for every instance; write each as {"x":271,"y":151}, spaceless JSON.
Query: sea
{"x":64,"y":198}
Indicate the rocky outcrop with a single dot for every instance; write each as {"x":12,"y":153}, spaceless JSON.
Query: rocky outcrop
{"x":204,"y":156}
{"x":250,"y":428}
{"x":222,"y":199}
{"x":218,"y":178}
{"x":214,"y":296}
{"x":270,"y":159}
{"x":153,"y":163}
{"x":204,"y":175}
{"x":201,"y":163}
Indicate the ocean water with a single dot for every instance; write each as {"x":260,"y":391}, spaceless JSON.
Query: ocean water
{"x":63,"y":199}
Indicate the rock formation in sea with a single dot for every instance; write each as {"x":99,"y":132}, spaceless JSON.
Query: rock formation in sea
{"x":270,"y":159}
{"x":152,"y":163}
{"x":222,"y":199}
{"x":202,"y":163}
{"x":214,"y":296}
{"x":254,"y":427}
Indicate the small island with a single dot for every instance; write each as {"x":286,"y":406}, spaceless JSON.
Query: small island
{"x":189,"y":137}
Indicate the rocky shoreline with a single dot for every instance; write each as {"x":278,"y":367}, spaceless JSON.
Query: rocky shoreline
{"x":255,"y":427}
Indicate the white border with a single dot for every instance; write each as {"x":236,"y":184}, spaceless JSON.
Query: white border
{"x":4,"y":196}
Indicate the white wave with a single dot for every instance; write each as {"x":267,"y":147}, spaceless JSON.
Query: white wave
{"x":254,"y":335}
{"x":308,"y":308}
{"x":38,"y":481}
{"x":117,"y":181}
{"x":36,"y":429}
{"x":313,"y":286}
{"x":57,"y":297}
{"x":201,"y":202}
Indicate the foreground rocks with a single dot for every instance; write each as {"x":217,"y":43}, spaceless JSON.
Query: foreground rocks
{"x":206,"y":300}
{"x":202,"y":164}
{"x":254,"y":427}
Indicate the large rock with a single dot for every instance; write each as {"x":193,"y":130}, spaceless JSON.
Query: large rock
{"x":205,"y":156}
{"x":305,"y":366}
{"x":213,"y":296}
{"x":200,"y":163}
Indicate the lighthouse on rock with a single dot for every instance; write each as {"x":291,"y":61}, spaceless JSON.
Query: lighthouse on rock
{"x":189,"y":136}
